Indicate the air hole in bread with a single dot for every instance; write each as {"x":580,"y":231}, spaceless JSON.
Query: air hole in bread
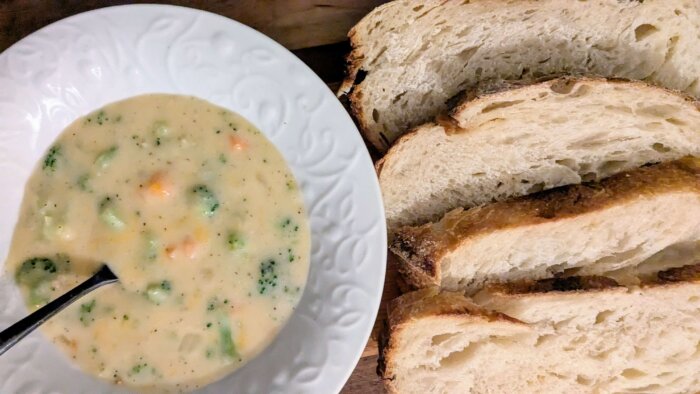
{"x":442,"y":338}
{"x":375,"y":115}
{"x":530,"y":11}
{"x":478,"y":174}
{"x":537,"y":187}
{"x":651,"y":126}
{"x":500,"y":104}
{"x":675,"y":121}
{"x":563,"y":86}
{"x":602,"y":316}
{"x":619,"y":108}
{"x":569,"y":163}
{"x":418,"y":8}
{"x":644,"y":30}
{"x":611,"y":166}
{"x":464,"y":31}
{"x":589,"y":177}
{"x":467,"y":54}
{"x":580,"y":379}
{"x":460,"y":356}
{"x":633,"y":373}
{"x":543,"y":338}
{"x":661,"y":148}
{"x":602,"y":355}
{"x":397,"y":97}
{"x":581,"y":91}
{"x":671,"y":49}
{"x":657,"y":111}
{"x":378,"y":57}
{"x":585,"y":167}
{"x":694,"y":85}
{"x":646,"y":389}
{"x":678,"y":12}
{"x":424,"y":14}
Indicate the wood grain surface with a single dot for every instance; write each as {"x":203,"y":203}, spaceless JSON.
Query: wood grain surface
{"x":316,"y":31}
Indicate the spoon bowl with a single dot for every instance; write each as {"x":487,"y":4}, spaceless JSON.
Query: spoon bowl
{"x":13,"y":334}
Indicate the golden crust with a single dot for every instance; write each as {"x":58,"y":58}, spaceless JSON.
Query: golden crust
{"x":677,"y":276}
{"x":493,"y":91}
{"x":356,"y":59}
{"x":686,"y":273}
{"x":429,"y":302}
{"x":433,"y":303}
{"x":420,"y":249}
{"x":560,"y":284}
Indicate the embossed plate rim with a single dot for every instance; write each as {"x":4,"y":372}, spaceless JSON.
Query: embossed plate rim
{"x":342,"y":194}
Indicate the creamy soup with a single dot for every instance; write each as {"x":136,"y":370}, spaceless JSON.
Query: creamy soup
{"x":199,"y":216}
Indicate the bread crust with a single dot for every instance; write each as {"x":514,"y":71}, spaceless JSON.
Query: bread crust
{"x":433,"y":303}
{"x":557,"y":84}
{"x":493,"y":91}
{"x":356,"y":59}
{"x":552,"y":287}
{"x":421,"y":249}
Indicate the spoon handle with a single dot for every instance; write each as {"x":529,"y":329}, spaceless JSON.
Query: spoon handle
{"x":11,"y":335}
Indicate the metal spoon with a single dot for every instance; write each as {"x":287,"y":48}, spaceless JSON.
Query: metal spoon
{"x":11,"y":335}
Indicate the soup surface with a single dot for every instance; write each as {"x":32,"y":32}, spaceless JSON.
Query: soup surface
{"x":199,"y":216}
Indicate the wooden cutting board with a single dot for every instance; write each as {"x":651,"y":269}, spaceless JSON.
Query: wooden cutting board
{"x":316,"y":31}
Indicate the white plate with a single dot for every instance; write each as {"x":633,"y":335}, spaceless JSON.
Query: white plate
{"x":81,"y":63}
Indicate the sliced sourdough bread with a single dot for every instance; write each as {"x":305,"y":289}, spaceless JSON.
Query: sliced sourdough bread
{"x":585,"y":229}
{"x":410,"y":57}
{"x":530,"y":138}
{"x":597,"y":339}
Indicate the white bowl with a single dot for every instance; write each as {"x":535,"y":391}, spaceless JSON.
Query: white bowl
{"x":79,"y":64}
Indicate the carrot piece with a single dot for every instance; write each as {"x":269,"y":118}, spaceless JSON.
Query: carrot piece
{"x":158,"y":186}
{"x":171,"y":251}
{"x":190,"y":247}
{"x":237,"y":143}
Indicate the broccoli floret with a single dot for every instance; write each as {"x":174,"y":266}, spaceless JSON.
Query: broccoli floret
{"x":106,"y":156}
{"x":86,"y":312}
{"x":83,"y":183}
{"x":36,"y":274}
{"x":205,"y":199}
{"x":268,"y":276}
{"x":158,"y":292}
{"x":36,"y":270}
{"x":235,"y":241}
{"x":50,"y":160}
{"x":109,"y":215}
{"x":228,"y":348}
{"x":288,"y":225}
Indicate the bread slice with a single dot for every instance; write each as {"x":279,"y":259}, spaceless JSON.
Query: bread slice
{"x":410,"y":57}
{"x":598,"y":339}
{"x":585,"y":229}
{"x":530,"y":138}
